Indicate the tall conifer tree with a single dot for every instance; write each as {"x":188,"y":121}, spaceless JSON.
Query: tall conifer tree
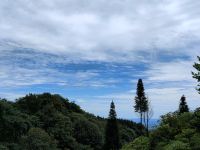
{"x":112,"y":131}
{"x":183,"y":107}
{"x":141,"y":102}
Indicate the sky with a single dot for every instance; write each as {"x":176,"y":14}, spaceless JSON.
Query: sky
{"x":94,"y":51}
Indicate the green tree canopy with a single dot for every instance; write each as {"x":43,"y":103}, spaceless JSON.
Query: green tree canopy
{"x":38,"y":119}
{"x":140,"y":143}
{"x":38,"y":139}
{"x":88,"y":133}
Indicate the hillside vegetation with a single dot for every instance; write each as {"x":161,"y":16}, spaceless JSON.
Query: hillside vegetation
{"x":175,"y":132}
{"x":45,"y":121}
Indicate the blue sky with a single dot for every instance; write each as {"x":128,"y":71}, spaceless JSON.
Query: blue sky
{"x":93,"y":52}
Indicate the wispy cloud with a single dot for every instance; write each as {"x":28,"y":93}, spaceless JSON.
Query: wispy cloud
{"x":99,"y":49}
{"x":101,"y":30}
{"x":170,"y":71}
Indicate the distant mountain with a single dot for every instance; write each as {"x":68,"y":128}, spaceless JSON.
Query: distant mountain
{"x":152,"y":122}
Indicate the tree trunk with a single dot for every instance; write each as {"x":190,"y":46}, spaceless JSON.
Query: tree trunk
{"x":147,"y":128}
{"x":144,"y":119}
{"x":141,"y":117}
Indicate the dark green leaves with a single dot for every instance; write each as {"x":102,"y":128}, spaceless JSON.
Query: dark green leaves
{"x":196,"y":75}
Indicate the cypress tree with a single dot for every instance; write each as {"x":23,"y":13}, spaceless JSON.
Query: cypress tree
{"x":141,"y":102}
{"x":112,"y":131}
{"x":183,"y":107}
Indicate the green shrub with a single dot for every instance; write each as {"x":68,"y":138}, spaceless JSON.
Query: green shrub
{"x":140,"y":143}
{"x":37,"y":139}
{"x":177,"y":145}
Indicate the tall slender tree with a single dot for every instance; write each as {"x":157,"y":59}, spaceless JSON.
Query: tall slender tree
{"x":183,"y":107}
{"x":141,"y":102}
{"x":197,"y":74}
{"x":112,"y":131}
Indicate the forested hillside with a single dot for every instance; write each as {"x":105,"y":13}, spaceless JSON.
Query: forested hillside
{"x":175,"y":132}
{"x":46,"y":121}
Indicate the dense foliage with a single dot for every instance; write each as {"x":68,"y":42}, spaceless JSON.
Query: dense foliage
{"x":48,"y":122}
{"x":175,"y":132}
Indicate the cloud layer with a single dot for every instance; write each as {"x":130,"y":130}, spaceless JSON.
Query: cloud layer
{"x":99,"y":49}
{"x":101,"y":30}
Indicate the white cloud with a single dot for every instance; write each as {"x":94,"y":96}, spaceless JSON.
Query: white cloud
{"x":170,"y":71}
{"x":127,"y":31}
{"x":101,"y":30}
